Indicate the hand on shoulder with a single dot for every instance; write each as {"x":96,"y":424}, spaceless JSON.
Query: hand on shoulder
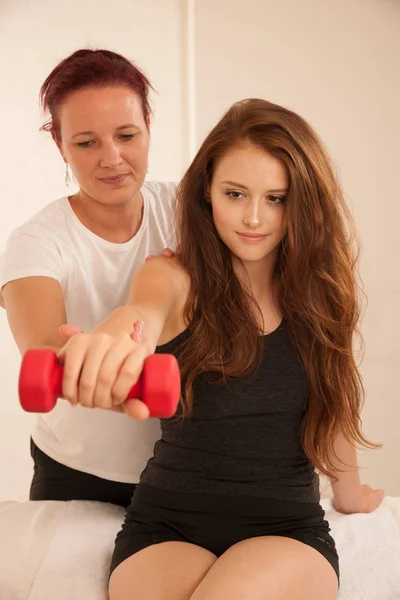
{"x":166,"y":252}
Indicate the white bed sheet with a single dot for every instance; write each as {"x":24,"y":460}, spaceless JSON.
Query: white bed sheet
{"x":62,"y":550}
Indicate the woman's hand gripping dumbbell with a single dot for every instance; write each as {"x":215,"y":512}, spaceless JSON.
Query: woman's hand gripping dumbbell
{"x":158,"y":386}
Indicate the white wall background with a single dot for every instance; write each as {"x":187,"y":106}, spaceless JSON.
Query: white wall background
{"x":335,"y":63}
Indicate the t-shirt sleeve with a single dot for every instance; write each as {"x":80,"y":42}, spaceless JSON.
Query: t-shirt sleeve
{"x":162,"y":195}
{"x":29,"y":254}
{"x":169,"y":195}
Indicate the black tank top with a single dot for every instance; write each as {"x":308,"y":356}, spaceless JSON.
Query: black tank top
{"x":243,"y":437}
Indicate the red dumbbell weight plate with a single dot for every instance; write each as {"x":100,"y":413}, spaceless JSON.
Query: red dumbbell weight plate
{"x":40,"y":380}
{"x":161,"y":384}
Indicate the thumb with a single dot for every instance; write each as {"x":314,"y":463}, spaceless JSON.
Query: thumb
{"x":136,"y":409}
{"x":67,"y":331}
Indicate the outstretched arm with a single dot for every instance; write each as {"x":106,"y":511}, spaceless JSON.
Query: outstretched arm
{"x":154,"y":294}
{"x":100,"y":367}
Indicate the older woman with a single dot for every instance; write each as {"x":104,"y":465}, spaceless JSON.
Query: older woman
{"x":74,"y":260}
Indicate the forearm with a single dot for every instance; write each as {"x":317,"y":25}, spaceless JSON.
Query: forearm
{"x":154,"y":296}
{"x":35,"y":311}
{"x":346,"y":485}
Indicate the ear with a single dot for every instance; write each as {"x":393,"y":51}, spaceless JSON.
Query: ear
{"x":57,"y":142}
{"x":148,"y":120}
{"x":55,"y":138}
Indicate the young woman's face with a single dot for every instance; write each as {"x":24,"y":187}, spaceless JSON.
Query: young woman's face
{"x":105,"y":140}
{"x":248,"y":192}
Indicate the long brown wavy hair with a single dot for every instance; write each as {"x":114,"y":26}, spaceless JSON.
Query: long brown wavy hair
{"x":316,"y":275}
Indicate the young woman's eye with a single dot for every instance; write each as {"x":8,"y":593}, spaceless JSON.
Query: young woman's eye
{"x":277,"y":199}
{"x":234,"y":195}
{"x":85,"y":144}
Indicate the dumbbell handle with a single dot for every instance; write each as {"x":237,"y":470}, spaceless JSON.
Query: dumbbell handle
{"x":40,"y":383}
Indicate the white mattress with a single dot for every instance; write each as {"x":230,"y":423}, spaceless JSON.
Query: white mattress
{"x":62,"y":550}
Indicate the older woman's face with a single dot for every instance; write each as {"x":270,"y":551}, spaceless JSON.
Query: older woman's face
{"x":105,"y":139}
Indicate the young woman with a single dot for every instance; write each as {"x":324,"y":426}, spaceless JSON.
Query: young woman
{"x":260,"y":307}
{"x":75,"y":259}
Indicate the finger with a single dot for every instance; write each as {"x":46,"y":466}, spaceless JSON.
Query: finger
{"x":109,"y":372}
{"x":136,"y":409}
{"x":379,"y":495}
{"x":67,"y":331}
{"x":168,"y":253}
{"x":374,"y":499}
{"x":72,"y":357}
{"x":137,"y":334}
{"x":97,"y":350}
{"x":128,"y":375}
{"x":374,"y":503}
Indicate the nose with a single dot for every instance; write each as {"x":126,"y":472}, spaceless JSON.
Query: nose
{"x":252,"y":215}
{"x":110,"y":156}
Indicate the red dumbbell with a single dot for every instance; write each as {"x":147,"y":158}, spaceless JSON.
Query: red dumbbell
{"x":40,"y":383}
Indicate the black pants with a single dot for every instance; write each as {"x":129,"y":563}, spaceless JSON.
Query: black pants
{"x":217,"y":522}
{"x":54,"y":481}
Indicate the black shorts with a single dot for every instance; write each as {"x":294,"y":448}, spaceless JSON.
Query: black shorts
{"x":54,"y":481}
{"x":218,"y":522}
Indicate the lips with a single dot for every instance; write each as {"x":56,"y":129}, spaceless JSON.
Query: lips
{"x":114,"y":178}
{"x":252,"y":236}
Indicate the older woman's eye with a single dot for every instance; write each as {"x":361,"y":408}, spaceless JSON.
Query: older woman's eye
{"x":126,"y":137}
{"x":85,"y":144}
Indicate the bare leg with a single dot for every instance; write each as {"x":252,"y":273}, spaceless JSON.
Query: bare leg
{"x":269,"y":568}
{"x":166,"y":571}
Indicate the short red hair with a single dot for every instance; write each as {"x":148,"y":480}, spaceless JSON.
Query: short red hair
{"x":90,"y":68}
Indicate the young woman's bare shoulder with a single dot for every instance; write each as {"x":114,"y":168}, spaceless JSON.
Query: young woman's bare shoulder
{"x":168,"y":270}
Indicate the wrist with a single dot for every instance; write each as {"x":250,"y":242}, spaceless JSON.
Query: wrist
{"x":349,"y":502}
{"x":119,"y":321}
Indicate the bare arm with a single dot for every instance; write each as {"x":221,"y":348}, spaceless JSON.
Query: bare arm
{"x":101,"y":367}
{"x":157,"y":292}
{"x":35,"y":311}
{"x":349,"y":496}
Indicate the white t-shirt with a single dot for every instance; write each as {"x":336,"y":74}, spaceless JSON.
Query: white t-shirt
{"x":95,"y":276}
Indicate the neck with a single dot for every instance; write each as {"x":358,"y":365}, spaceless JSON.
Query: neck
{"x":117,"y":224}
{"x":258,"y":278}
